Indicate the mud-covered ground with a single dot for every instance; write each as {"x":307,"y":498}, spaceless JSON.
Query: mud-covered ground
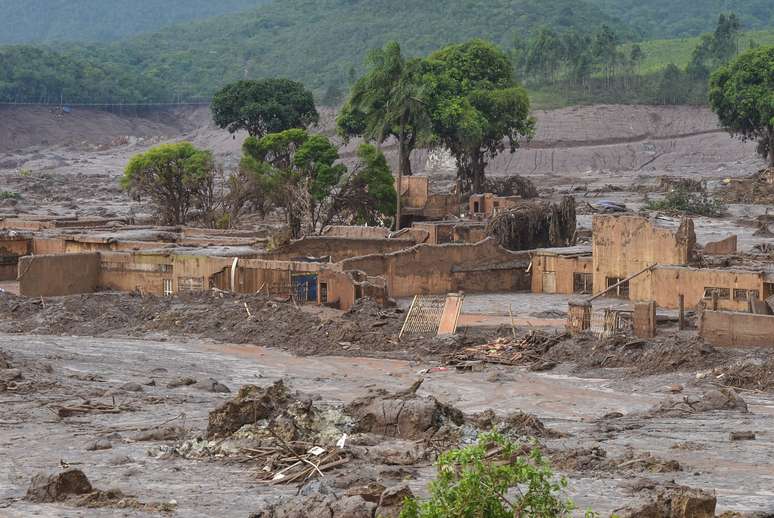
{"x":615,"y":436}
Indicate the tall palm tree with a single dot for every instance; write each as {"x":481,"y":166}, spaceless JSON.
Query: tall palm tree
{"x":389,"y":97}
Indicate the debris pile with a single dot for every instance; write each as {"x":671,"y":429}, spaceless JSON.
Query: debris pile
{"x":511,"y":351}
{"x":642,"y":357}
{"x":673,"y":501}
{"x":751,"y":374}
{"x":595,"y":459}
{"x":535,"y":224}
{"x":758,"y":188}
{"x":515,"y":425}
{"x":711,"y":400}
{"x":513,"y":185}
{"x":233,"y":318}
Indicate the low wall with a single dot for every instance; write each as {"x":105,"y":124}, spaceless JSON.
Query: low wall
{"x":731,"y":329}
{"x":56,"y":275}
{"x":338,"y":248}
{"x":665,"y":283}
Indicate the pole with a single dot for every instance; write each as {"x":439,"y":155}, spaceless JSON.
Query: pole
{"x":681,"y":305}
{"x":622,"y":282}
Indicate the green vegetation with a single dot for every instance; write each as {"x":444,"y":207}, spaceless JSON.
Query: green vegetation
{"x":475,"y":105}
{"x":175,"y":177}
{"x":299,"y":174}
{"x":30,"y":74}
{"x":492,"y":479}
{"x":675,"y":18}
{"x":45,"y":21}
{"x":262,"y":107}
{"x":742,"y":94}
{"x":682,"y":201}
{"x":9,"y":195}
{"x":564,"y":51}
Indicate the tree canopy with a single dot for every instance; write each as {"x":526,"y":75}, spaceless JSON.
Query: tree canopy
{"x":265,"y":106}
{"x":742,"y":95}
{"x":301,"y":176}
{"x":175,"y":177}
{"x":475,"y":106}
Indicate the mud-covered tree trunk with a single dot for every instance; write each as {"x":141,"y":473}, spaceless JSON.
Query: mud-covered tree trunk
{"x":771,"y":146}
{"x":478,"y":166}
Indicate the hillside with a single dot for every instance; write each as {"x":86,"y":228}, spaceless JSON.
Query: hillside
{"x":318,"y":41}
{"x":678,"y":18}
{"x":45,"y":21}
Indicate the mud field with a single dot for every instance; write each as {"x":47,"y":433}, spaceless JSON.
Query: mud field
{"x":214,"y":405}
{"x":134,"y":409}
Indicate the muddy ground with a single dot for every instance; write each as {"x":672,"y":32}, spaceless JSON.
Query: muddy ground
{"x":692,"y":448}
{"x":615,"y":416}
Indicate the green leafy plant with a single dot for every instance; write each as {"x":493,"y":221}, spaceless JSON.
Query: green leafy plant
{"x":492,"y":479}
{"x":682,"y":201}
{"x":9,"y":195}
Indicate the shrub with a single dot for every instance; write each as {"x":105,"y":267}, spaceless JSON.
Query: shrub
{"x":682,"y":201}
{"x":493,"y":479}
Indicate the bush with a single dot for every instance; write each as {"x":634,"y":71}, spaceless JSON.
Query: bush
{"x":682,"y":201}
{"x":493,"y":479}
{"x":9,"y":195}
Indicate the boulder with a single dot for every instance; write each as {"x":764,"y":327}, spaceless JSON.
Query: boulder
{"x":391,"y":501}
{"x":56,"y":488}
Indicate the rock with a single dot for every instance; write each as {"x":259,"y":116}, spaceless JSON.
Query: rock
{"x":181,"y":382}
{"x":131,"y":387}
{"x":250,"y":405}
{"x":542,"y":366}
{"x":211,"y":385}
{"x":369,"y":492}
{"x":56,"y":488}
{"x":150,"y":383}
{"x":101,"y":444}
{"x":675,"y":502}
{"x":721,"y":399}
{"x":169,"y":433}
{"x":693,"y":503}
{"x":391,"y":501}
{"x":7,"y":375}
{"x":318,"y":505}
{"x":742,"y":436}
{"x":405,"y":415}
{"x":675,"y":389}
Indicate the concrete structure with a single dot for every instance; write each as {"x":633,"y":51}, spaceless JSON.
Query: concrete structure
{"x":452,"y":231}
{"x":563,"y":270}
{"x":733,"y":329}
{"x":63,"y":274}
{"x":12,"y":246}
{"x":624,"y":245}
{"x":428,"y":269}
{"x":487,"y":205}
{"x":723,"y":247}
{"x":419,"y":204}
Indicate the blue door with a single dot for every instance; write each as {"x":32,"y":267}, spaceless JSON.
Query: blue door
{"x":305,"y":287}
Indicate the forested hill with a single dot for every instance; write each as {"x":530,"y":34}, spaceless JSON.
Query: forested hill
{"x":45,"y":21}
{"x":655,"y":19}
{"x":319,"y":41}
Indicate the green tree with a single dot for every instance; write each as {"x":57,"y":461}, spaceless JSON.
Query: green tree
{"x":480,"y":481}
{"x":387,"y":102}
{"x":265,"y":106}
{"x":475,"y":106}
{"x":297,"y":171}
{"x":742,"y":95}
{"x":368,"y":196}
{"x":175,"y":177}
